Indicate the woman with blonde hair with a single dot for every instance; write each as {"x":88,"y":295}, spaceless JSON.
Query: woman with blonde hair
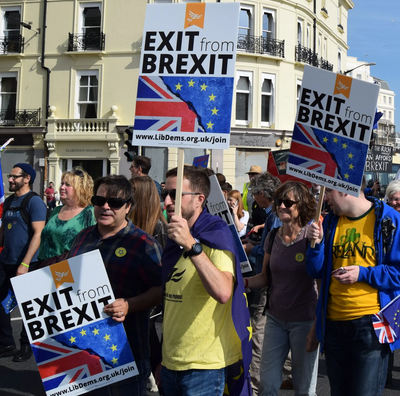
{"x":146,"y":212}
{"x":68,"y":219}
{"x":240,"y":216}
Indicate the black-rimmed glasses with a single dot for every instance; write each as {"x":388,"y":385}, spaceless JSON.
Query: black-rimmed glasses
{"x":172,"y":193}
{"x":14,"y":177}
{"x":115,"y":203}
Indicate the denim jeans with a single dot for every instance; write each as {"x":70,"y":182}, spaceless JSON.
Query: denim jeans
{"x":356,"y":361}
{"x":279,"y":337}
{"x":193,"y":382}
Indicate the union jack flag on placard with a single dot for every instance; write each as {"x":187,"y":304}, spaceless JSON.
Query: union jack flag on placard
{"x":329,"y":154}
{"x":184,"y":104}
{"x":382,"y":329}
{"x":82,"y":353}
{"x":159,"y":110}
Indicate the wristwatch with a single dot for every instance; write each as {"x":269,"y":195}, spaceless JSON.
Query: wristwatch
{"x":195,"y":250}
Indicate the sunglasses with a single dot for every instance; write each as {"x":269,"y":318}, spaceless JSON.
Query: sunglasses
{"x":172,"y":193}
{"x":115,"y":203}
{"x":77,"y":172}
{"x":287,"y":202}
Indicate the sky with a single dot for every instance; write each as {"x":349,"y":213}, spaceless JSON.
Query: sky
{"x":374,"y":36}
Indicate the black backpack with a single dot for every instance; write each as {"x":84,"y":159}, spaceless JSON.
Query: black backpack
{"x":22,"y":208}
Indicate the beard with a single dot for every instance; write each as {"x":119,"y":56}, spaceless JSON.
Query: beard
{"x":189,"y":211}
{"x":15,"y":187}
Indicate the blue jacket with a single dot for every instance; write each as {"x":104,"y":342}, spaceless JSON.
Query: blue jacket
{"x":385,"y":276}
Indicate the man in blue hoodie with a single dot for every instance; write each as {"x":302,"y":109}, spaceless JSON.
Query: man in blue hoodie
{"x":362,"y":236}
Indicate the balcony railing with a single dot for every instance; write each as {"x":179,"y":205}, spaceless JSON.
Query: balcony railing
{"x":261,"y":45}
{"x":19,"y":117}
{"x":12,"y":44}
{"x":324,"y":64}
{"x":306,"y":55}
{"x":86,"y":42}
{"x":83,"y":125}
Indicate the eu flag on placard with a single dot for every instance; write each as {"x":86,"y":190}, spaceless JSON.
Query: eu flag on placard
{"x":184,"y":104}
{"x":82,"y":352}
{"x":387,"y":322}
{"x":329,"y":154}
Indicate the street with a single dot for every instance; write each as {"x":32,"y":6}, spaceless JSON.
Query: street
{"x":23,"y":378}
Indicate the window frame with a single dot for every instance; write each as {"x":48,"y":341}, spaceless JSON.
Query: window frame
{"x":249,"y":75}
{"x":78,"y":103}
{"x":273,"y":17}
{"x":12,"y":74}
{"x":251,"y":22}
{"x":300,"y":31}
{"x":272,"y":78}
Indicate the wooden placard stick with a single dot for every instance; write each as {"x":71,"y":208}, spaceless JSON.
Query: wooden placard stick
{"x":319,"y":207}
{"x":179,"y":181}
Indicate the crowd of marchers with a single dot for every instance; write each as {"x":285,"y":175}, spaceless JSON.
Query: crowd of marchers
{"x":317,"y":285}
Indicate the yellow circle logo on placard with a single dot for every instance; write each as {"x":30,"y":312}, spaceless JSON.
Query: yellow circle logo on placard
{"x":9,"y":226}
{"x":120,"y":252}
{"x":299,"y":257}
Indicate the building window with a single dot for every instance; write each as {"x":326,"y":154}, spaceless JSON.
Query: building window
{"x":319,"y":45}
{"x":325,"y":48}
{"x":339,"y":67}
{"x":359,"y":77}
{"x":11,"y":29}
{"x":390,"y":116}
{"x":390,"y":100}
{"x":268,"y":24}
{"x":300,"y":31}
{"x":243,"y":96}
{"x":87,"y":94}
{"x":267,"y":99}
{"x":384,"y":99}
{"x":308,"y":36}
{"x":246,"y":21}
{"x":8,"y":97}
{"x":298,"y":89}
{"x":91,"y":26}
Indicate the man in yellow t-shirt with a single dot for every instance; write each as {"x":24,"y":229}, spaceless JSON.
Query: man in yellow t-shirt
{"x":357,"y":257}
{"x":199,"y":337}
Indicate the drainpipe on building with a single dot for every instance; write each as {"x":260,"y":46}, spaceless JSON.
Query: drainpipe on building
{"x":48,"y":71}
{"x":43,"y":59}
{"x":315,"y":29}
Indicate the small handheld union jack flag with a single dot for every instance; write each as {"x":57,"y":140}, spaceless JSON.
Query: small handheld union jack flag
{"x":387,"y":322}
{"x":382,"y":329}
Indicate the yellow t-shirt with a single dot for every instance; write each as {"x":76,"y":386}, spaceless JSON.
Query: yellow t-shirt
{"x":198,"y":332}
{"x":353,"y":244}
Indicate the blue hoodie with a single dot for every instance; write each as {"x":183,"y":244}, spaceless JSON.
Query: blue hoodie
{"x":385,"y":277}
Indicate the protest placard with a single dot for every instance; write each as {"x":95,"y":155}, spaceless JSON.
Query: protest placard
{"x":217,"y":205}
{"x":201,"y":161}
{"x":186,"y":75}
{"x":379,"y":159}
{"x":77,"y":347}
{"x":333,"y":127}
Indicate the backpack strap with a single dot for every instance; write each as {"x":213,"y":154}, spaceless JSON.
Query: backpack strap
{"x":272,"y":235}
{"x":22,"y":208}
{"x":24,"y":213}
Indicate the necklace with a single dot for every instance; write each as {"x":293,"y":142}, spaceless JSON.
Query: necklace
{"x":280,"y":234}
